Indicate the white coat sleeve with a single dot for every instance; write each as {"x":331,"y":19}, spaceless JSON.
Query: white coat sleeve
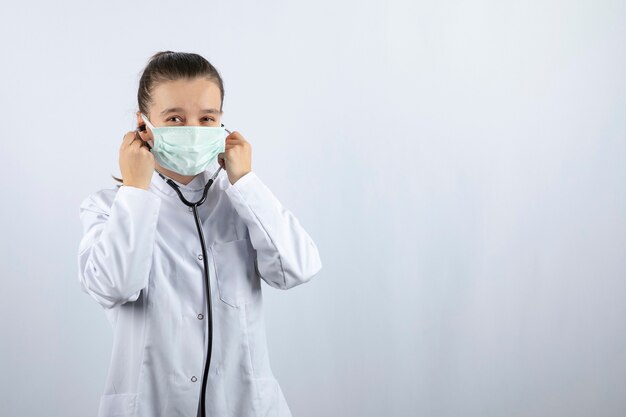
{"x":286,"y":255}
{"x":115,"y":252}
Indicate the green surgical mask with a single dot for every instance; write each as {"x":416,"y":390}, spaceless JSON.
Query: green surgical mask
{"x":187,"y":150}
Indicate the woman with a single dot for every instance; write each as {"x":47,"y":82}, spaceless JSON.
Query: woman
{"x":142,"y":260}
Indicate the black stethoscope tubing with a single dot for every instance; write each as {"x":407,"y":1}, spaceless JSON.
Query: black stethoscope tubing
{"x":207,"y":281}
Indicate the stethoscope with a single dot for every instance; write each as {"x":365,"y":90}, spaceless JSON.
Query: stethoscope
{"x":205,"y":261}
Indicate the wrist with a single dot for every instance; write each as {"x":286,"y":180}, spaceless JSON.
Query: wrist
{"x":136,"y":185}
{"x":236,"y":178}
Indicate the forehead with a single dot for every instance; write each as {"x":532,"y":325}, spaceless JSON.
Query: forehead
{"x":188,"y":94}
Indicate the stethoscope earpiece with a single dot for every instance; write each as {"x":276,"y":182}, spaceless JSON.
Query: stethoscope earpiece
{"x":229,"y":132}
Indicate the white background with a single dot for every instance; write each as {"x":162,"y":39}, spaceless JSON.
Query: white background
{"x":460,"y":165}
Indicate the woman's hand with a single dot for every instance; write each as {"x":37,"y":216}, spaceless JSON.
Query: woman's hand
{"x":136,"y":161}
{"x":237,"y":157}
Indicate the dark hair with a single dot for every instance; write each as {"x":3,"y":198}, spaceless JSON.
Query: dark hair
{"x":171,"y":66}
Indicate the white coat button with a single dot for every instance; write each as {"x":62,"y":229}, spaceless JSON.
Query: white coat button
{"x":200,"y":256}
{"x":200,"y":316}
{"x":190,"y":209}
{"x":194,"y":379}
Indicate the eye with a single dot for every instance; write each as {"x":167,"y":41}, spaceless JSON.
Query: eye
{"x":210,"y":119}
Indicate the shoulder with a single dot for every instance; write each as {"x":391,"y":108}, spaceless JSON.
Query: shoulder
{"x":101,"y":200}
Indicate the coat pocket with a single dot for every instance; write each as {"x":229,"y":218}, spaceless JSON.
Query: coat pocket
{"x":118,"y":405}
{"x":235,"y":271}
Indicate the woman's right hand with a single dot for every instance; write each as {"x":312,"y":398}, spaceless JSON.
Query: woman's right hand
{"x":136,"y":161}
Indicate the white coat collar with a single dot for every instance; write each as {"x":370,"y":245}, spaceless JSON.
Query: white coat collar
{"x":195,"y":185}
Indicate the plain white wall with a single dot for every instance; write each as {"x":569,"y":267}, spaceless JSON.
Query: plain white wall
{"x":460,"y":165}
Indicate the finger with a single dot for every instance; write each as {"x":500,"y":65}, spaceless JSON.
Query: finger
{"x":145,"y":137}
{"x":232,"y":144}
{"x":141,"y":148}
{"x":128,"y":138}
{"x":144,"y":149}
{"x":233,"y":135}
{"x":136,"y":143}
{"x":234,"y":139}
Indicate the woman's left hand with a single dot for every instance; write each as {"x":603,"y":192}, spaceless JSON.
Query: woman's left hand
{"x":237,"y":157}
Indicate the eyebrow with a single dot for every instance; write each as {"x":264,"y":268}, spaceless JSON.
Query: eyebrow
{"x":181,"y":110}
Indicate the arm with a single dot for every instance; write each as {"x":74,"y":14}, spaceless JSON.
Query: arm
{"x":115,"y":252}
{"x":286,"y":254}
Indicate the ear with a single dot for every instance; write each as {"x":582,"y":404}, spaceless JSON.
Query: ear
{"x":144,"y":131}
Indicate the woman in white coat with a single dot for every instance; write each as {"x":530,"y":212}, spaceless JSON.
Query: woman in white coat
{"x":141,"y":259}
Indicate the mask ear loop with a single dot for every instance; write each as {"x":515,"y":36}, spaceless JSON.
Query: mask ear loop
{"x":145,"y":119}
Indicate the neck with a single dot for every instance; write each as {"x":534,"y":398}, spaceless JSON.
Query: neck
{"x":183,"y":179}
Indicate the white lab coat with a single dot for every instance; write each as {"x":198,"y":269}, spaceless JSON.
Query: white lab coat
{"x":140,"y":258}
